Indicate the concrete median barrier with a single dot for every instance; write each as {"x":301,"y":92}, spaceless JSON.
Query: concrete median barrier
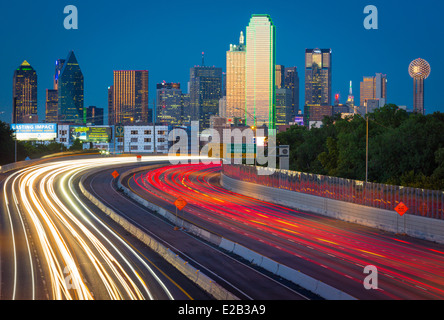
{"x":203,"y":281}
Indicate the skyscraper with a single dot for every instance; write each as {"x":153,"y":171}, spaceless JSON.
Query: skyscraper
{"x":205,"y":92}
{"x":110,"y":106}
{"x":169,"y":104}
{"x":94,"y":116}
{"x":235,"y":80}
{"x":186,"y":109}
{"x":260,"y":107}
{"x":374,"y":89}
{"x":351,"y":99}
{"x":419,"y":70}
{"x":58,"y":70}
{"x":24,"y":94}
{"x":318,"y":75}
{"x":291,"y":81}
{"x":52,"y":99}
{"x":284,"y":110}
{"x":130,"y":97}
{"x":279,"y":76}
{"x":70,"y":92}
{"x":52,"y":95}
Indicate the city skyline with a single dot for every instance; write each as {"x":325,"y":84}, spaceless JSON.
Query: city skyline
{"x":386,"y":51}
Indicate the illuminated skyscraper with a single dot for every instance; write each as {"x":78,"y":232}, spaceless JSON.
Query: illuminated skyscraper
{"x":374,"y":89}
{"x":260,"y":107}
{"x":94,"y":116}
{"x":58,"y":69}
{"x":235,"y":80}
{"x":419,"y":70}
{"x":24,"y":94}
{"x":291,"y":81}
{"x":318,"y":71}
{"x":205,"y":93}
{"x":70,"y":92}
{"x":52,"y":95}
{"x":51,"y":115}
{"x":130,"y":97}
{"x":284,"y":110}
{"x":351,"y":99}
{"x":279,"y":76}
{"x":169,"y":104}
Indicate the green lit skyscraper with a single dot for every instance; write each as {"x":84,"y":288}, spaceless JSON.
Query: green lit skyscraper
{"x":70,"y":92}
{"x":24,"y":94}
{"x":260,"y":63}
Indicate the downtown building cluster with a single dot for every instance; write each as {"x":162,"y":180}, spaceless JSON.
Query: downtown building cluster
{"x":253,"y":92}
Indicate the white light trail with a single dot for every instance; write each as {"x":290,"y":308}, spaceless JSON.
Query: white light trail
{"x":46,"y":212}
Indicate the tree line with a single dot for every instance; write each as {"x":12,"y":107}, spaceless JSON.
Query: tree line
{"x":403,"y":148}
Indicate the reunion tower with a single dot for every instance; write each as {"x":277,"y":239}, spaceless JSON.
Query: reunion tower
{"x":419,"y":70}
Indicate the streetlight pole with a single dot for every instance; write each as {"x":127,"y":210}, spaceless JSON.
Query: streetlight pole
{"x":366,"y":145}
{"x":15,"y":133}
{"x":254,"y":128}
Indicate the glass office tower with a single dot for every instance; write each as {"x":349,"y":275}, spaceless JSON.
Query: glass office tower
{"x":24,"y":94}
{"x":70,"y":92}
{"x":260,"y":63}
{"x":52,"y":102}
{"x":291,"y":81}
{"x":169,"y":104}
{"x":318,"y":77}
{"x":205,"y":92}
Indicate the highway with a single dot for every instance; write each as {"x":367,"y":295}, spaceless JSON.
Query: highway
{"x":56,"y":245}
{"x":332,"y":251}
{"x":245,"y":282}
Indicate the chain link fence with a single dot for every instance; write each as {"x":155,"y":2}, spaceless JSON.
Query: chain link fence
{"x":421,"y":202}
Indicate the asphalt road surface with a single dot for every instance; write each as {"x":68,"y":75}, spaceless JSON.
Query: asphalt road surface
{"x":332,"y":251}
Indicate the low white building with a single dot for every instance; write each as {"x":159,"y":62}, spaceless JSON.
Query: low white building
{"x":63,"y":135}
{"x":136,"y":139}
{"x":143,"y":139}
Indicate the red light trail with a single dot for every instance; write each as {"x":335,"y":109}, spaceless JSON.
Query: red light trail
{"x":343,"y":251}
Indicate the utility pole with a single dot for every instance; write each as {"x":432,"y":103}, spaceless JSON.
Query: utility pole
{"x":154,"y":126}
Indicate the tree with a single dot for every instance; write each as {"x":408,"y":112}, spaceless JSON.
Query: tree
{"x":404,"y":149}
{"x":77,"y":145}
{"x":7,"y":144}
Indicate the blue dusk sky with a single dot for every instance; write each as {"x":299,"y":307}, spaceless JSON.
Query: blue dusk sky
{"x":168,"y":37}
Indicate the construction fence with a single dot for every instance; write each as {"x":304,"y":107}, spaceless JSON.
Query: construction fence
{"x":422,"y":202}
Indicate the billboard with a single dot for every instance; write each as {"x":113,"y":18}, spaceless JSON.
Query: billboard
{"x":35,"y":131}
{"x":90,"y":134}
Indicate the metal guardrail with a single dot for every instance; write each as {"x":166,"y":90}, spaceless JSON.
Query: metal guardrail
{"x":421,"y":202}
